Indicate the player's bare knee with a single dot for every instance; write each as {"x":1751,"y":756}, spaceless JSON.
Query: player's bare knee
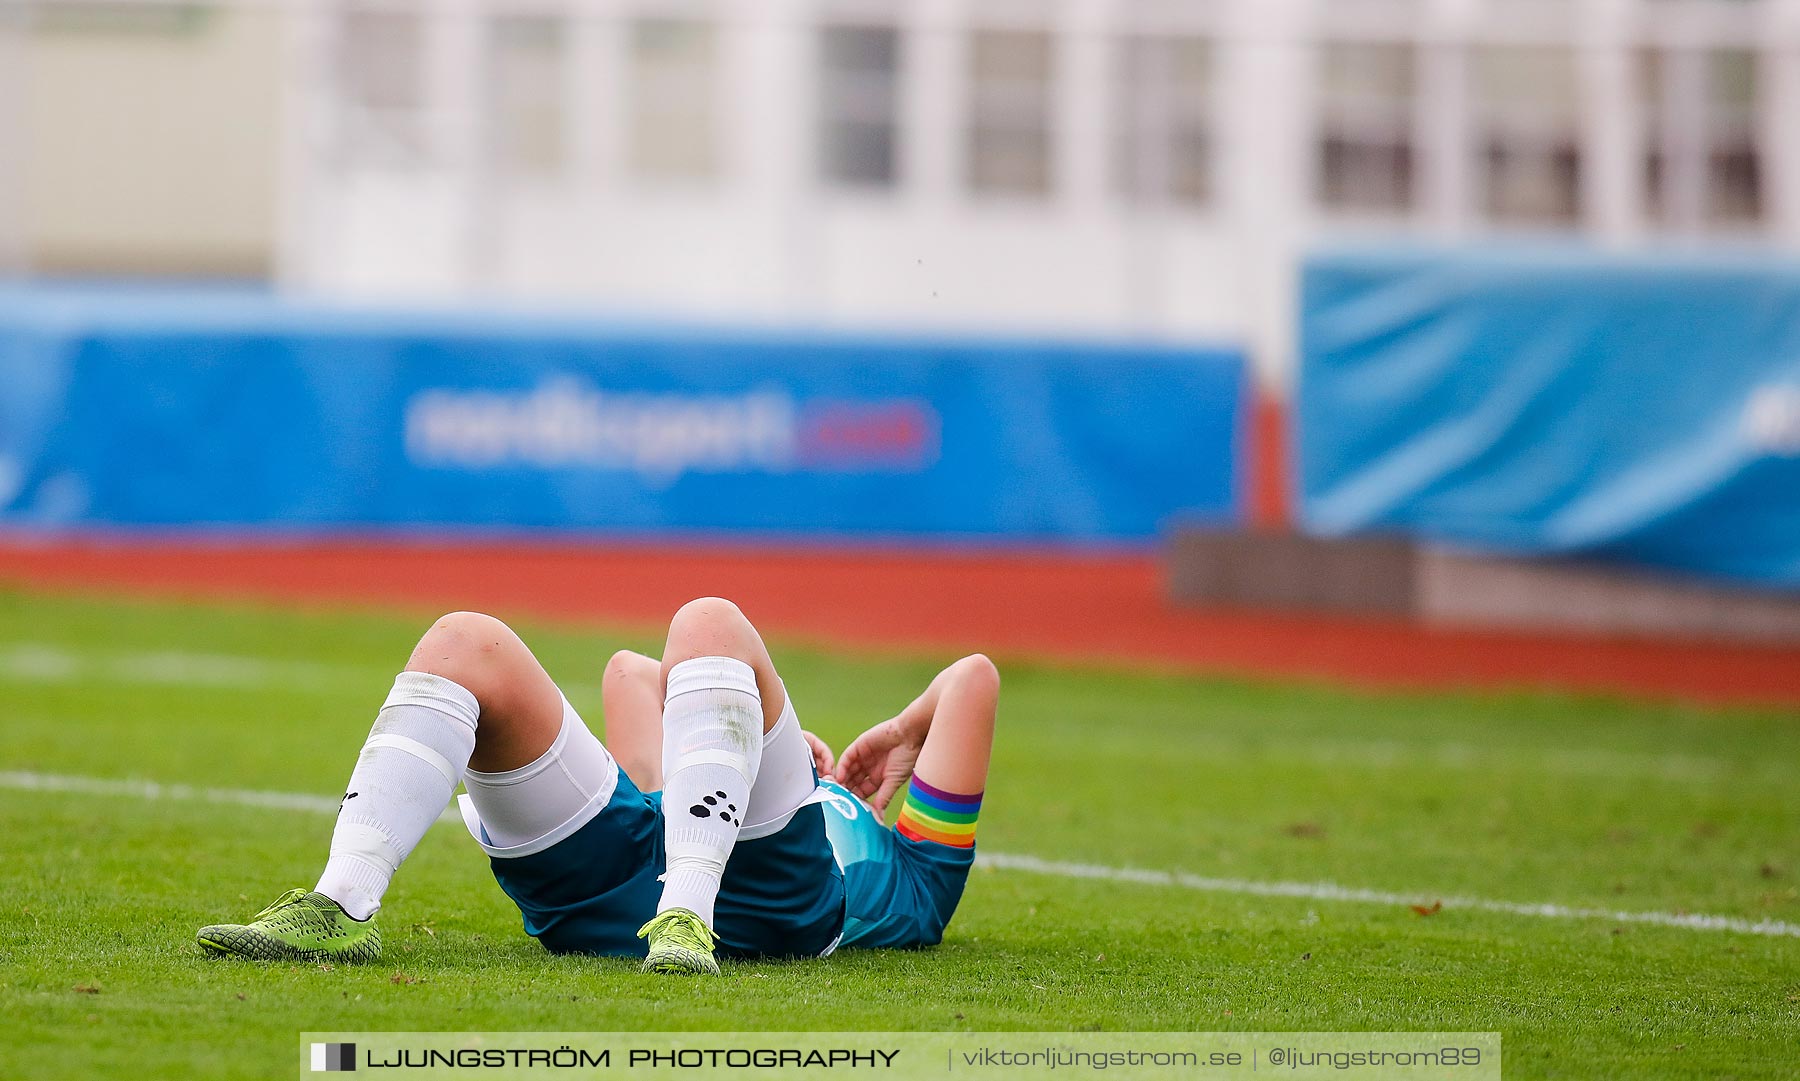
{"x":715,"y":627}
{"x":473,"y":632}
{"x":704,"y":613}
{"x":625,"y":666}
{"x":470,"y":648}
{"x":710,"y":627}
{"x":618,"y":667}
{"x":979,"y":673}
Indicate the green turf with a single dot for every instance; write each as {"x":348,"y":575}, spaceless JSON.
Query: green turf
{"x":1527,"y":798}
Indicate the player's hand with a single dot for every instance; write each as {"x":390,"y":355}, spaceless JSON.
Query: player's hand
{"x":878,"y":763}
{"x":823,"y":759}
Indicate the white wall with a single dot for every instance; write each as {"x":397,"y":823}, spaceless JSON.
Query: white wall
{"x":147,"y":144}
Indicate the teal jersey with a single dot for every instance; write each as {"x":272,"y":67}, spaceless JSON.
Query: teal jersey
{"x":781,"y":895}
{"x":899,"y":892}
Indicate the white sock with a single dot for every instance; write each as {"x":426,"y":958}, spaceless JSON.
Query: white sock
{"x":712,"y":745}
{"x":414,"y":758}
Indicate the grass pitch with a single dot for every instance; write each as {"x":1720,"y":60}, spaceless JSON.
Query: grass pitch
{"x":1526,"y":798}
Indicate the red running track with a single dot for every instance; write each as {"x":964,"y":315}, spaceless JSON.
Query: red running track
{"x":1100,"y":607}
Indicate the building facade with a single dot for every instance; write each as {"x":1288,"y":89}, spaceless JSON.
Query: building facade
{"x":1095,"y":167}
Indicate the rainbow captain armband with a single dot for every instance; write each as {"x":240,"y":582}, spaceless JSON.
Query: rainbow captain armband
{"x":931,"y":814}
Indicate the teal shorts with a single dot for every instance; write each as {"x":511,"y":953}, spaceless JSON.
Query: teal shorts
{"x":782,"y":895}
{"x":900,"y":893}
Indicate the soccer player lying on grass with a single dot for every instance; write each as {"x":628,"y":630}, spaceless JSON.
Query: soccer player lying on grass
{"x":716,"y":835}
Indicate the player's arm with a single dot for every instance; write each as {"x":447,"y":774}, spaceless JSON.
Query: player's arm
{"x":945,"y":736}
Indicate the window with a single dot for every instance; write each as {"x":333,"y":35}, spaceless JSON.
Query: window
{"x":858,"y":105}
{"x":1366,"y":160}
{"x":1164,"y":147}
{"x":1009,"y":112}
{"x":1702,"y":164}
{"x":673,"y":124}
{"x":528,"y":65}
{"x":381,"y":73}
{"x":1529,"y":134}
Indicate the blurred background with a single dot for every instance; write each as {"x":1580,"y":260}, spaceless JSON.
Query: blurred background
{"x":1095,"y":166}
{"x":1149,"y":318}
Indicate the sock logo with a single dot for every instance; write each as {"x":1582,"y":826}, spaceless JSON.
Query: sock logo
{"x":709,"y":805}
{"x":333,"y":1058}
{"x":348,"y":796}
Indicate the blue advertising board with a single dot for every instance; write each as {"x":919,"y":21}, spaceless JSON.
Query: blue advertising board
{"x":242,"y":411}
{"x":1637,"y":409}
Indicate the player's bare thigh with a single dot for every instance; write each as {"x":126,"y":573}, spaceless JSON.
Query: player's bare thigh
{"x":521,"y":707}
{"x":631,"y":694}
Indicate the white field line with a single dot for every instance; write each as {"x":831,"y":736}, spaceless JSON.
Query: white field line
{"x":25,"y":780}
{"x":1330,"y":891}
{"x":1310,"y":891}
{"x":28,"y":662}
